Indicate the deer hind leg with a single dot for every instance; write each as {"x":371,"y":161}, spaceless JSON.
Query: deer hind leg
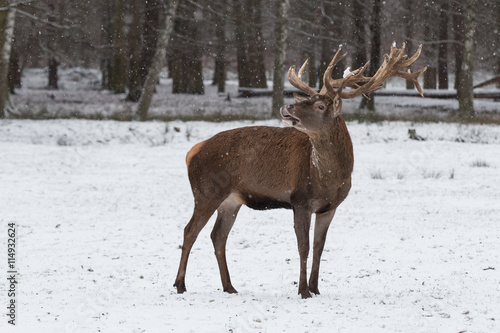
{"x":302,"y":222}
{"x":201,"y":215}
{"x":226,"y":215}
{"x":320,"y":229}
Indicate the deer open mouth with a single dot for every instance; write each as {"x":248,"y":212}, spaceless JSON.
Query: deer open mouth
{"x":288,"y":118}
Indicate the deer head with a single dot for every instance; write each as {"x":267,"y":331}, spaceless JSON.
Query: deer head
{"x":312,"y":114}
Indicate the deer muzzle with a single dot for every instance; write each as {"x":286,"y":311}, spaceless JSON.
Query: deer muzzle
{"x":287,"y":118}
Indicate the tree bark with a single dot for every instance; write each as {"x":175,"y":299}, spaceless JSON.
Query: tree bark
{"x":134,"y":81}
{"x":53,"y":76}
{"x":256,"y":67}
{"x":307,"y":41}
{"x":55,"y":10}
{"x":7,"y":20}
{"x":107,"y":38}
{"x":443,"y":45}
{"x":458,"y":36}
{"x":150,"y":35}
{"x":220,"y":52}
{"x":498,"y":44}
{"x":465,"y":85}
{"x":281,"y":31}
{"x":241,"y":36}
{"x":312,"y":73}
{"x":375,"y":30}
{"x":119,"y":63}
{"x":14,"y":71}
{"x":409,"y":26}
{"x":358,"y":12}
{"x":187,"y":71}
{"x":154,"y":70}
{"x":330,"y":33}
{"x":430,"y":75}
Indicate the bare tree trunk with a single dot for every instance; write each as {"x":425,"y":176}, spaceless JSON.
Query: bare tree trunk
{"x":220,"y":53}
{"x":312,"y":73}
{"x":465,"y":85}
{"x":497,"y":20}
{"x":107,"y":38}
{"x":119,"y":64}
{"x":241,"y":36}
{"x":409,"y":24}
{"x":53,"y":45}
{"x":375,"y":30}
{"x":53,"y":77}
{"x":358,"y":12}
{"x":154,"y":70}
{"x":256,"y":67}
{"x":135,"y":52}
{"x":14,"y":71}
{"x":458,"y":36}
{"x":328,"y":45}
{"x":150,"y":36}
{"x":7,"y":20}
{"x":430,"y":75}
{"x":307,"y":40}
{"x":280,"y":56}
{"x":187,"y":72}
{"x":443,"y":45}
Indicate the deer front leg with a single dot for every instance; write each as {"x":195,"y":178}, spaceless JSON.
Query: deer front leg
{"x":302,"y":222}
{"x":320,"y":229}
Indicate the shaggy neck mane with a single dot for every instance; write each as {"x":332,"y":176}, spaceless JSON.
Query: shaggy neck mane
{"x":332,"y":151}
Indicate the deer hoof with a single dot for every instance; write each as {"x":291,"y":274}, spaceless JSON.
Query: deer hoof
{"x":230,"y":290}
{"x":314,"y":290}
{"x":305,"y":294}
{"x":181,"y":288}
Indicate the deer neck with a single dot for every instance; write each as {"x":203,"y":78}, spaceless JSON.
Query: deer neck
{"x":332,"y":154}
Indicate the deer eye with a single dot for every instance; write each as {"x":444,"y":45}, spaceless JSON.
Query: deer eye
{"x":321,"y":107}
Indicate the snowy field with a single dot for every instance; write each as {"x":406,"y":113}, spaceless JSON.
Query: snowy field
{"x":100,"y":209}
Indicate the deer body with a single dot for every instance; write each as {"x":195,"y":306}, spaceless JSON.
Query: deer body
{"x":306,"y":167}
{"x":245,"y":170}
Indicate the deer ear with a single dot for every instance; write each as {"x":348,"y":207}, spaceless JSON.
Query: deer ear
{"x":299,"y":98}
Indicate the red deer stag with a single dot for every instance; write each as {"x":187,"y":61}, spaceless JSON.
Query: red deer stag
{"x":306,"y":167}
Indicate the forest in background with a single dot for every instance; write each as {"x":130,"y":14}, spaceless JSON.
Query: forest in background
{"x":255,"y":39}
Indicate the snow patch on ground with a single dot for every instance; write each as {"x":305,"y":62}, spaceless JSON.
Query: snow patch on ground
{"x":101,"y":208}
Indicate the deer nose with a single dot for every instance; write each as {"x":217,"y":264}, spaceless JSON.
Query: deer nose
{"x":289,"y":107}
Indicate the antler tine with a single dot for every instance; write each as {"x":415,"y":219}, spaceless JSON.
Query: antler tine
{"x":337,"y":57}
{"x":327,"y":85}
{"x":327,"y":76}
{"x":414,"y":57}
{"x":413,"y":77}
{"x":303,"y":68}
{"x":297,"y":82}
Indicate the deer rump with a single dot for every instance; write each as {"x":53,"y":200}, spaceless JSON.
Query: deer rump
{"x":259,"y":166}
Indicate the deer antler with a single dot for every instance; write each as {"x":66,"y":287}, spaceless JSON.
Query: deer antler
{"x":391,"y":67}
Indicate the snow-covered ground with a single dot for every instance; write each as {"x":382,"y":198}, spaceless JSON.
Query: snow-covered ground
{"x":101,"y":206}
